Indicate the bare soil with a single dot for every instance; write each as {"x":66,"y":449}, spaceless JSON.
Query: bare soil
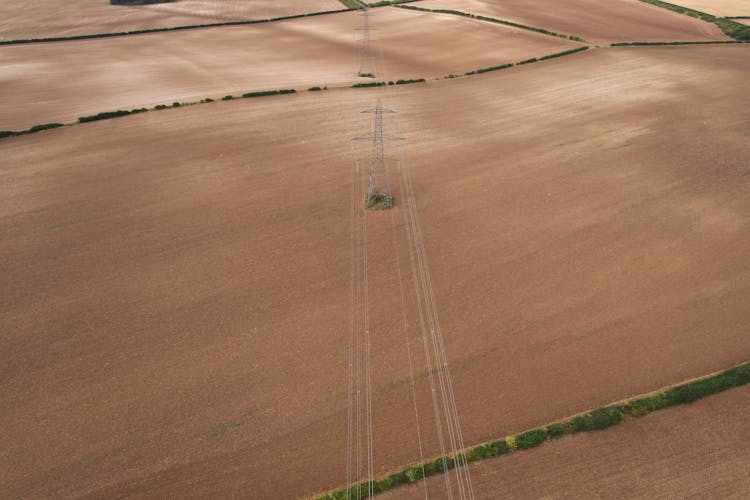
{"x":694,"y":451}
{"x":60,"y":82}
{"x":52,"y":18}
{"x":718,"y":7}
{"x":596,"y":21}
{"x":175,"y":284}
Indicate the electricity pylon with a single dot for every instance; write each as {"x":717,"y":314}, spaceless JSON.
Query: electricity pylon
{"x":378,"y":195}
{"x":366,"y":66}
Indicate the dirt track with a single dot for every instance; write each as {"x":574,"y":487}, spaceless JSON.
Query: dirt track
{"x":60,"y":82}
{"x":695,"y":451}
{"x":717,"y":7}
{"x":51,"y":18}
{"x":175,"y":283}
{"x":596,"y":21}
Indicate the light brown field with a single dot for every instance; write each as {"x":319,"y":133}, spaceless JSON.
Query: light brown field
{"x":743,"y":21}
{"x":51,"y":18}
{"x":596,"y":21}
{"x":718,"y":7}
{"x":694,"y":451}
{"x":175,"y":284}
{"x":59,"y":82}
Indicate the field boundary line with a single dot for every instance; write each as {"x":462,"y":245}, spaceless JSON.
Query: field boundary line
{"x":612,"y":414}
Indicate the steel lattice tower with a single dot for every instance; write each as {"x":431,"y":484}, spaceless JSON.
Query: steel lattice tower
{"x":366,"y":66}
{"x":378,"y":194}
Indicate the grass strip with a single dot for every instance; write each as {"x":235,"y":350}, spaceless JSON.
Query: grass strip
{"x":158,"y":30}
{"x":733,"y":29}
{"x":493,"y":20}
{"x":593,"y":420}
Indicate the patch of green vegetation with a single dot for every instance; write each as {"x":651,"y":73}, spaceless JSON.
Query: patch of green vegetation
{"x":590,"y":421}
{"x":227,"y":98}
{"x":487,"y":70}
{"x":314,"y":89}
{"x":268,"y":92}
{"x":406,"y":82}
{"x":35,"y":128}
{"x":353,"y":4}
{"x":368,"y":84}
{"x":366,"y":75}
{"x":733,"y":29}
{"x":379,"y":201}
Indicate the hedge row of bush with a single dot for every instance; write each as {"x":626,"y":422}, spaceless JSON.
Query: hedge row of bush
{"x":487,"y":70}
{"x":493,"y":20}
{"x":35,"y":128}
{"x":174,"y":28}
{"x":113,"y":114}
{"x":590,"y":421}
{"x":368,"y":84}
{"x":738,"y":31}
{"x":385,"y":3}
{"x":406,"y":82}
{"x":563,"y":53}
{"x":626,"y":44}
{"x":269,"y":92}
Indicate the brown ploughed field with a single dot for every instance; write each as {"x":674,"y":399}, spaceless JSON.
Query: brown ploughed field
{"x":53,"y":18}
{"x":594,"y":20}
{"x":44,"y":83}
{"x":175,"y":284}
{"x":717,"y":7}
{"x":694,"y":451}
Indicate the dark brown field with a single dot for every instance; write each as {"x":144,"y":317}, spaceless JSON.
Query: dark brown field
{"x":696,"y":451}
{"x":596,"y":21}
{"x":175,"y":284}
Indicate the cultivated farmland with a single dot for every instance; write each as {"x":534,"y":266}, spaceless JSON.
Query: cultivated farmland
{"x":52,"y":18}
{"x":196,"y":302}
{"x":61,"y":82}
{"x":190,"y":276}
{"x":700,"y":451}
{"x":596,"y":21}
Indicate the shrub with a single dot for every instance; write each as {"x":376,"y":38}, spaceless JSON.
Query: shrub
{"x":368,"y":84}
{"x":103,"y":116}
{"x":405,"y":82}
{"x":6,"y":133}
{"x":314,"y":89}
{"x":207,"y":99}
{"x":138,"y":110}
{"x":227,"y":98}
{"x":268,"y":92}
{"x":528,"y":61}
{"x":161,"y":106}
{"x":555,"y":430}
{"x":366,"y":75}
{"x":530,"y":439}
{"x":414,"y":474}
{"x":598,"y":419}
{"x":45,"y":126}
{"x":176,"y":104}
